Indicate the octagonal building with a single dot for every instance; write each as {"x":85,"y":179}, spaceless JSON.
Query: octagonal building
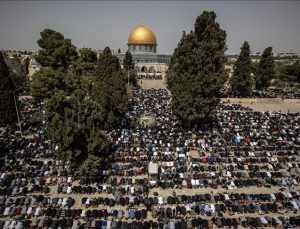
{"x":142,"y":44}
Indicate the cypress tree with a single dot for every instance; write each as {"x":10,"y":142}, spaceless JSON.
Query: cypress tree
{"x":266,"y":70}
{"x":129,"y":64}
{"x":197,"y":73}
{"x":109,"y":89}
{"x":8,"y":113}
{"x":242,"y":82}
{"x":128,"y":61}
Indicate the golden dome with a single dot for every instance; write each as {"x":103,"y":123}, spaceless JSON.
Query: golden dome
{"x":142,"y":35}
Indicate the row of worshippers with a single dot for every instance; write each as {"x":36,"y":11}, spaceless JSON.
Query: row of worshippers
{"x":197,"y":222}
{"x":33,"y":164}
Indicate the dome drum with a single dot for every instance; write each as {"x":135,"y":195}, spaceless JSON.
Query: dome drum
{"x":142,"y":48}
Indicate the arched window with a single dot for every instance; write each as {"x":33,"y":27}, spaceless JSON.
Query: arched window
{"x":137,"y":68}
{"x":151,"y":69}
{"x":144,"y":69}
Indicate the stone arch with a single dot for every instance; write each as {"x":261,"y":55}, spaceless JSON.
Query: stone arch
{"x":137,"y":68}
{"x":151,"y":69}
{"x":144,"y":69}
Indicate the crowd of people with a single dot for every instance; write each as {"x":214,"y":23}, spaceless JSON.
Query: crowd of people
{"x":149,"y":76}
{"x":240,"y":170}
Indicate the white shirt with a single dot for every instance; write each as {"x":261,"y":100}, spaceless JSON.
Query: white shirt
{"x":6,"y":211}
{"x":132,"y":190}
{"x":37,"y":211}
{"x":69,"y":190}
{"x":64,"y":202}
{"x":29,"y":210}
{"x":69,"y":180}
{"x":160,"y":200}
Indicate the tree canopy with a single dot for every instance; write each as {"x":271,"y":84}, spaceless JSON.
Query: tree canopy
{"x":290,"y":73}
{"x":109,"y":87}
{"x":86,"y":64}
{"x":88,"y":55}
{"x":266,"y":70}
{"x":242,"y":82}
{"x":90,"y":166}
{"x":75,"y":123}
{"x":128,"y":60}
{"x":56,"y":51}
{"x":196,"y":73}
{"x":129,"y":64}
{"x":83,"y":98}
{"x":46,"y":82}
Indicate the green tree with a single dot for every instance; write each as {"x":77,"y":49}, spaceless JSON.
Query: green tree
{"x":242,"y":82}
{"x":56,"y":51}
{"x":254,"y":67}
{"x":196,"y":73}
{"x":46,"y":82}
{"x":86,"y":64}
{"x":132,"y":77}
{"x":88,"y":55}
{"x":90,"y":166}
{"x":290,"y":73}
{"x":266,"y":70}
{"x":74,"y":119}
{"x":129,"y":64}
{"x":55,"y":56}
{"x":74,"y":123}
{"x":8,"y":113}
{"x":179,"y":50}
{"x":128,"y":61}
{"x":109,"y":88}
